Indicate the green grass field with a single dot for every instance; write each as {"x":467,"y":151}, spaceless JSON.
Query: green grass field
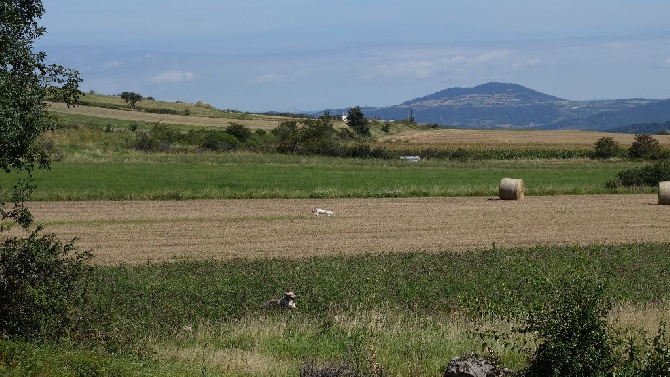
{"x":244,"y":175}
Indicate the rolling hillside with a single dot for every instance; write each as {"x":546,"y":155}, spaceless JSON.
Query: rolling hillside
{"x":499,"y":105}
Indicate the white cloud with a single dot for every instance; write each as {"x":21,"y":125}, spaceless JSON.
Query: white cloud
{"x":269,"y":78}
{"x":274,"y":78}
{"x":526,"y":63}
{"x":114,"y":64}
{"x":431,"y":66}
{"x":172,"y":76}
{"x":666,"y":63}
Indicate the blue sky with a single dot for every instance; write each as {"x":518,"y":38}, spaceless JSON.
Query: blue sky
{"x":295,"y":55}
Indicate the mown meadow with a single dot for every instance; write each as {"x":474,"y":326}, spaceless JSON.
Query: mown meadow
{"x":246,"y":175}
{"x":407,"y":313}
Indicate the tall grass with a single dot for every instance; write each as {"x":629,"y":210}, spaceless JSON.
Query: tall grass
{"x":415,"y":311}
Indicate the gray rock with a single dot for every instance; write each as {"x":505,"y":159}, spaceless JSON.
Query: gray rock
{"x":472,"y":366}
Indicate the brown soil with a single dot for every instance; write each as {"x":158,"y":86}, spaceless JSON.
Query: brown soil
{"x":136,"y":232}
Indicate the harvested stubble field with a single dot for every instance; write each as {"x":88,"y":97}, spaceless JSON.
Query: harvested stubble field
{"x":140,"y":231}
{"x":253,"y":121}
{"x":477,"y":138}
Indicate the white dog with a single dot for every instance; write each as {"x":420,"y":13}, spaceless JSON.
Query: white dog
{"x":286,"y":302}
{"x":319,"y":211}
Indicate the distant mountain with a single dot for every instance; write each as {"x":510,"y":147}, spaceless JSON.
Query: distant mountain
{"x":643,"y":128}
{"x":500,"y":105}
{"x":490,"y":93}
{"x":610,"y":117}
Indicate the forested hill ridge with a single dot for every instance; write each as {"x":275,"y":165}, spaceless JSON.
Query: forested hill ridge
{"x":501,"y":105}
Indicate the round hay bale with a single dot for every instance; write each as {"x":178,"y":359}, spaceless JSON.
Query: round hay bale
{"x":511,"y":189}
{"x":664,"y":193}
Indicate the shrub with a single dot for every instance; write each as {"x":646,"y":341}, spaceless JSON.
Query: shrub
{"x":307,"y":136}
{"x":645,"y":146}
{"x":162,"y":132}
{"x":643,"y":357}
{"x":658,"y":357}
{"x":204,"y":105}
{"x":162,"y":110}
{"x":648,"y":175}
{"x":607,"y":147}
{"x":145,"y":143}
{"x":572,"y":328}
{"x":241,"y":132}
{"x":42,"y":286}
{"x":219,"y":141}
{"x":160,"y":138}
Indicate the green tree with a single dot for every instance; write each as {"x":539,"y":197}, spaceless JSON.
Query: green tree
{"x":287,"y":134}
{"x":318,"y":136}
{"x":607,"y":147}
{"x":131,"y":98}
{"x":26,"y":82}
{"x":645,"y":146}
{"x":357,"y":121}
{"x":307,"y":136}
{"x":38,"y":274}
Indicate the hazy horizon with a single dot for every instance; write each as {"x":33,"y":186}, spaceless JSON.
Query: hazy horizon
{"x":299,"y":55}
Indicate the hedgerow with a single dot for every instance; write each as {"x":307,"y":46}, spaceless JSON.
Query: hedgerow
{"x":648,"y":175}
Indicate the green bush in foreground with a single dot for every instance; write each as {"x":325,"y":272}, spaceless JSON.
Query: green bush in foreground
{"x":572,"y":327}
{"x":42,"y":286}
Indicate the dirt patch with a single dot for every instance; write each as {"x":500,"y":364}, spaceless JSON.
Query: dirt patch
{"x":140,"y":231}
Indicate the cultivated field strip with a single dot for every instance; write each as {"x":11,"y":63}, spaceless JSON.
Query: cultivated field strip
{"x":140,"y":231}
{"x":550,"y":139}
{"x":255,"y":122}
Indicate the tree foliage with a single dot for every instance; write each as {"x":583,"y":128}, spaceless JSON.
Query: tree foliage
{"x":645,"y":146}
{"x":607,"y":147}
{"x":306,"y":136}
{"x":26,"y":82}
{"x":39,"y":276}
{"x":131,"y":98}
{"x":357,"y":121}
